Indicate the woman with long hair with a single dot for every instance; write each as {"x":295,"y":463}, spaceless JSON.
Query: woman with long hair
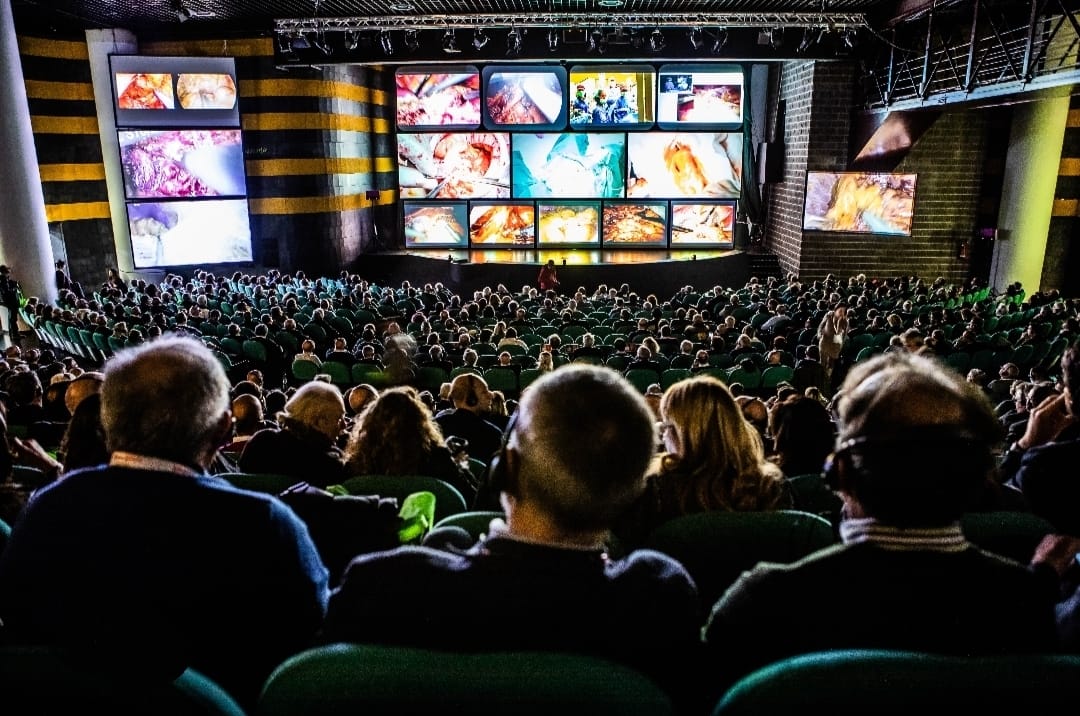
{"x":713,"y":460}
{"x":396,"y":435}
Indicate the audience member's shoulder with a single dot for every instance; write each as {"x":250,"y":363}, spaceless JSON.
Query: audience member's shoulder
{"x":650,"y":565}
{"x":401,"y":561}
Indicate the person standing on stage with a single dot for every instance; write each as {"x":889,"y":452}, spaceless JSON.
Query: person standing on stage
{"x":548,"y":280}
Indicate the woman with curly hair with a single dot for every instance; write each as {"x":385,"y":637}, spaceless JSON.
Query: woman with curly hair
{"x":713,"y":460}
{"x":396,"y":435}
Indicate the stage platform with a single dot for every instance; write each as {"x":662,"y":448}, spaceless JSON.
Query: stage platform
{"x":464,"y":271}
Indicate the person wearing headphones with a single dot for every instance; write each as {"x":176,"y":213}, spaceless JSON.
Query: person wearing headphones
{"x":913,"y":452}
{"x":542,"y":579}
{"x":471,"y":398}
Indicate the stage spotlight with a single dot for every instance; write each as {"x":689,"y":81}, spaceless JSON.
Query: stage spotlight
{"x":412,"y":41}
{"x":805,"y":42}
{"x":553,"y":39}
{"x":386,"y":42}
{"x":776,"y":38}
{"x":850,"y":38}
{"x":514,"y":43}
{"x":284,"y":45}
{"x":720,"y":38}
{"x":637,"y":41}
{"x":657,"y":40}
{"x":449,"y":42}
{"x":352,"y":39}
{"x":300,"y":42}
{"x":697,"y":38}
{"x":480,"y":38}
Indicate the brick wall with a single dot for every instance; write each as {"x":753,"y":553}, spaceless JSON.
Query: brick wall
{"x":951,"y":199}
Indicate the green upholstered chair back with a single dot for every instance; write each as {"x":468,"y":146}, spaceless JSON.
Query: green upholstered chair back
{"x":716,"y":547}
{"x":901,"y":682}
{"x":394,"y":681}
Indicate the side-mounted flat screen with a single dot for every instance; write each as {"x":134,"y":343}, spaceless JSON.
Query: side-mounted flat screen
{"x":568,"y":224}
{"x":684,"y":164}
{"x":175,"y":91}
{"x":189,"y":232}
{"x":612,"y":97}
{"x":634,"y":223}
{"x":706,"y":225}
{"x":700,"y":96}
{"x":525,"y":97}
{"x":569,"y":165}
{"x":436,"y":224}
{"x":454,"y":165}
{"x":438,"y":98}
{"x":502,"y":224}
{"x":182,"y":163}
{"x":859,"y":202}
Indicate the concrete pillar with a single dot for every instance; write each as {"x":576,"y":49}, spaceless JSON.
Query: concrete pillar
{"x":1027,"y":193}
{"x":100,"y":44}
{"x":24,"y":230}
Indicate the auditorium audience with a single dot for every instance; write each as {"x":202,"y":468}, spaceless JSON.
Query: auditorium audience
{"x":149,"y":564}
{"x":541,"y":580}
{"x":905,"y":577}
{"x":712,"y":460}
{"x":396,"y":435}
{"x":304,"y":445}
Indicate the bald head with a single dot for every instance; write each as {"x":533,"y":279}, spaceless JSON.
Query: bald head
{"x":247,"y":414}
{"x":360,"y":396}
{"x":581,"y":472}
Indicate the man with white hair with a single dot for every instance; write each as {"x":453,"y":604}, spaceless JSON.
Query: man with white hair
{"x":148,"y":565}
{"x":305,"y":446}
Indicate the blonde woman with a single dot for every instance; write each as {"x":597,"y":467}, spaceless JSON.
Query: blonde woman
{"x":713,"y":460}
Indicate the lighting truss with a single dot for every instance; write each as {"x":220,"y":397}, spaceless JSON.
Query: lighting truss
{"x":816,"y":20}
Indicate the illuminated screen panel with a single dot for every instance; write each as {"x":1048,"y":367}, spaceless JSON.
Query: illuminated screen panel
{"x":700,"y":97}
{"x":524,"y":97}
{"x":186,"y":233}
{"x":684,"y":164}
{"x":568,"y":224}
{"x":634,"y":224}
{"x":569,"y":165}
{"x":182,"y":163}
{"x":613,"y":97}
{"x":438,"y":98}
{"x":706,"y":225}
{"x":436,"y":224}
{"x":454,"y":165}
{"x":859,"y":202}
{"x":175,"y":91}
{"x":506,"y":224}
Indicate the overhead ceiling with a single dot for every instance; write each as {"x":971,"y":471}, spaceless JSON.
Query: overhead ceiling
{"x":258,"y":16}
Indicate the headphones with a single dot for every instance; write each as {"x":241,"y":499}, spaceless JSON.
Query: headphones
{"x":498,"y":480}
{"x":891,"y":459}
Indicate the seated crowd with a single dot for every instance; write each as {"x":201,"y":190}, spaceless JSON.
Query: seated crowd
{"x":617,"y":414}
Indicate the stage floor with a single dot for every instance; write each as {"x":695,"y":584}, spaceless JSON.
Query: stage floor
{"x":566,"y":257}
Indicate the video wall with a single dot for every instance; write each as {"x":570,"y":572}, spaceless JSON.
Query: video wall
{"x":182,"y":159}
{"x":595,"y":156}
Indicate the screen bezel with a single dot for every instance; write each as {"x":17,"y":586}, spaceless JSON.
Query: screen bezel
{"x":559,"y":124}
{"x":595,"y":203}
{"x":176,"y":117}
{"x":190,"y":201}
{"x":487,"y":203}
{"x":856,"y":232}
{"x":458,"y":205}
{"x":703,"y":67}
{"x":678,"y":246}
{"x":438,"y":69}
{"x":571,"y":91}
{"x":663,"y":243}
